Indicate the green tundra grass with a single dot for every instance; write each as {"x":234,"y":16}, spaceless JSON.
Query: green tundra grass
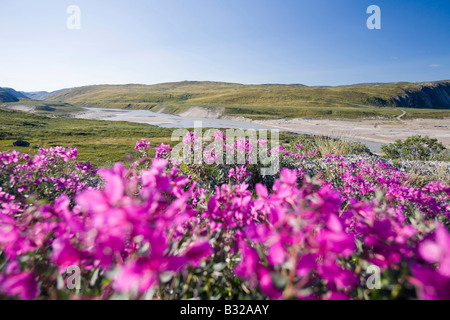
{"x":99,"y":142}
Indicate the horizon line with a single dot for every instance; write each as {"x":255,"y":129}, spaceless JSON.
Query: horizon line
{"x":226,"y":82}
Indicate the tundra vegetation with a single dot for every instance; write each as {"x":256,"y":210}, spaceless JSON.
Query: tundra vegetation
{"x":416,"y":148}
{"x":157,"y":228}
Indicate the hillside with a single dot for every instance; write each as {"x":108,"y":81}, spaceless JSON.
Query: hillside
{"x":13,"y":93}
{"x":414,"y":95}
{"x":435,"y":95}
{"x":6,"y":97}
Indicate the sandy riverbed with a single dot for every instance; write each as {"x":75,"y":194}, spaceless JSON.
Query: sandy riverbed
{"x":22,"y":107}
{"x":148,"y":120}
{"x":97,"y":114}
{"x":201,"y":112}
{"x":382,"y":131}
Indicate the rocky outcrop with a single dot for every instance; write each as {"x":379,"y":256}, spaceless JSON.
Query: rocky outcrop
{"x":434,"y":95}
{"x":21,"y":143}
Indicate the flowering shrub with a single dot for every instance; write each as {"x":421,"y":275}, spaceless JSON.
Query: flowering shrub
{"x":363,"y":180}
{"x":47,"y":175}
{"x":160,"y":231}
{"x":216,"y":170}
{"x":122,"y":234}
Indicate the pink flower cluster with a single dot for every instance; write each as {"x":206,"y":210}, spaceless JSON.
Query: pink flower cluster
{"x":239,"y":173}
{"x":48,"y":174}
{"x":125,"y":227}
{"x":142,"y":145}
{"x":363,"y":180}
{"x":310,"y":243}
{"x":163,"y":151}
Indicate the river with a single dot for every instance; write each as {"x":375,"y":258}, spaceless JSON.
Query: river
{"x":174,"y":121}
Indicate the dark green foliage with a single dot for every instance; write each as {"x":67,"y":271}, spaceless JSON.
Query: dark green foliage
{"x":442,"y":156}
{"x":414,"y":148}
{"x":359,"y":148}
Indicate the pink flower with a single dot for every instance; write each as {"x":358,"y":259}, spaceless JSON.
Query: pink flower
{"x":430,"y":284}
{"x":141,"y":145}
{"x":438,"y":251}
{"x":197,"y":252}
{"x":190,"y":138}
{"x":163,"y":151}
{"x":249,"y":263}
{"x":19,"y":284}
{"x":338,"y":277}
{"x":143,"y":273}
{"x":306,"y":264}
{"x":64,"y":254}
{"x":267,"y":286}
{"x":277,"y":253}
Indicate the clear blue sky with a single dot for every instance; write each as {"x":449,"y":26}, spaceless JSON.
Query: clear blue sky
{"x":314,"y":42}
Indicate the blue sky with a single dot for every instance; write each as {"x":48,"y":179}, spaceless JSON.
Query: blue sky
{"x":313,"y":42}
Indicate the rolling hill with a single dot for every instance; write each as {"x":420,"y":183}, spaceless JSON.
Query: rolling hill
{"x":408,"y":95}
{"x":268,"y":100}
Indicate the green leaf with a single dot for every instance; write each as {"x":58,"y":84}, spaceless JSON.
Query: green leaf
{"x":278,"y":280}
{"x":219,"y":266}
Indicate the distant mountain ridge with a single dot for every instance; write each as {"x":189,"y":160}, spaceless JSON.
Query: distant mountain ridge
{"x":14,"y":93}
{"x":41,"y":95}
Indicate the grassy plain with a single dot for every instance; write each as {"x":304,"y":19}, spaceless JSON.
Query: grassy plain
{"x":100,"y":142}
